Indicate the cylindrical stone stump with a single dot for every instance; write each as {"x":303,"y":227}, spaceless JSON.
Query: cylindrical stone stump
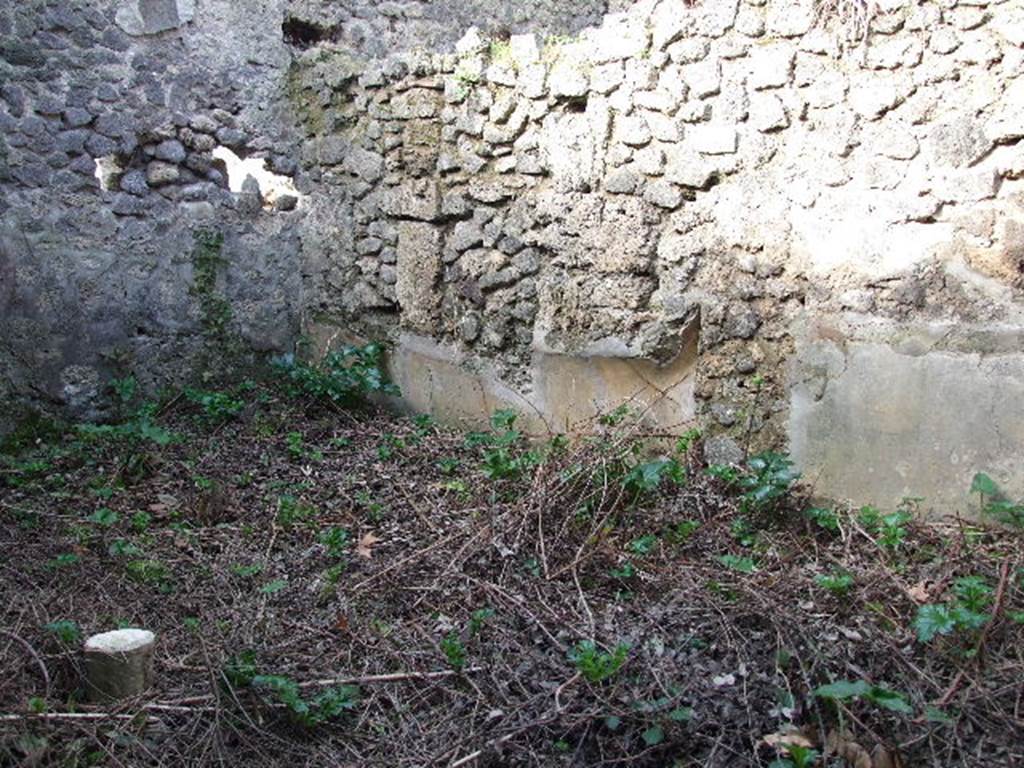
{"x":118,"y":664}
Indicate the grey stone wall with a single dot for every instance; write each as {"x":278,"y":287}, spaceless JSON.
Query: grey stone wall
{"x":96,"y":282}
{"x":744,"y":213}
{"x":96,"y":276}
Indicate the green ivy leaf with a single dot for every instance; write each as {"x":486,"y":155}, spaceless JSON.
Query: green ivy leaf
{"x":932,"y":620}
{"x":891,"y":700}
{"x":104,"y":516}
{"x":741,"y":564}
{"x":984,"y":484}
{"x":842,"y":690}
{"x":273,"y":587}
{"x":653,"y":736}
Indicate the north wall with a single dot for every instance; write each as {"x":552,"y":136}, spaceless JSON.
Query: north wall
{"x":794,"y":228}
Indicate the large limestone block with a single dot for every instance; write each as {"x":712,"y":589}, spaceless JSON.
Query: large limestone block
{"x":413,"y":199}
{"x":621,"y":36}
{"x":150,"y":17}
{"x":419,"y":267}
{"x":882,"y":413}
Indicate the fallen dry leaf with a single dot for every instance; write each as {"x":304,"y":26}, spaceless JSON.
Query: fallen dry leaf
{"x":788,"y":737}
{"x":919,"y":593}
{"x":365,"y":546}
{"x":843,"y":745}
{"x":882,"y":757}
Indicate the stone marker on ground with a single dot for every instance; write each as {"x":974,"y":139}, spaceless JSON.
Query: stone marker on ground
{"x":118,"y":664}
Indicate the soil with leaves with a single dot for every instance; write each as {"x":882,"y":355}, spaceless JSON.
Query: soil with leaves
{"x":339,"y":587}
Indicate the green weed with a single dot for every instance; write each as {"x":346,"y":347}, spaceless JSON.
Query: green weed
{"x":838,"y":583}
{"x":454,"y":651}
{"x":336,"y":541}
{"x":596,"y":665}
{"x":768,"y":480}
{"x":344,"y":377}
{"x":994,"y":503}
{"x":66,"y":631}
{"x":215,"y":407}
{"x":968,"y":611}
{"x":850,"y":690}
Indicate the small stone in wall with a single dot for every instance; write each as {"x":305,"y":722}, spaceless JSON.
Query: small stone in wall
{"x":621,"y":182}
{"x":203,"y":124}
{"x":650,"y":161}
{"x":1010,"y":24}
{"x":980,"y":47}
{"x":605,"y":78}
{"x":134,"y":183}
{"x":367,"y":165}
{"x":750,"y":21}
{"x":150,"y":17}
{"x":470,"y":43}
{"x":872,"y":98}
{"x":160,"y":173}
{"x":568,"y":80}
{"x":663,"y":194}
{"x":704,"y":79}
{"x":171,"y":151}
{"x":633,"y":131}
{"x":232,"y":137}
{"x":688,"y":51}
{"x":771,"y":66}
{"x":533,"y":81}
{"x":466,"y":235}
{"x":524,"y":49}
{"x":723,"y":450}
{"x":724,"y":414}
{"x":741,"y":322}
{"x":790,"y":18}
{"x":469,"y":327}
{"x":713,"y":138}
{"x":767,"y":113}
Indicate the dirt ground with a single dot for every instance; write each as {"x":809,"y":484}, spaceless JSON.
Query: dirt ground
{"x":359,"y":589}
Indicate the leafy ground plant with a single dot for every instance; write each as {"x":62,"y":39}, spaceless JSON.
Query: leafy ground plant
{"x":712,"y":668}
{"x":345,"y":377}
{"x":596,"y":665}
{"x":994,"y":503}
{"x":308,"y":712}
{"x":968,"y":611}
{"x":769,"y":478}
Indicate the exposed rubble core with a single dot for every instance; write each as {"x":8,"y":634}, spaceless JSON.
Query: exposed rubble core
{"x":805,"y":219}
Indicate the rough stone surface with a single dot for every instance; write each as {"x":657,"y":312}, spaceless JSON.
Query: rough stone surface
{"x":603,"y":182}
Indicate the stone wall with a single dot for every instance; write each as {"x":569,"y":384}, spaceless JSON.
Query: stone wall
{"x":109,"y":118}
{"x":794,"y":228}
{"x":126,"y":126}
{"x":835,"y":211}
